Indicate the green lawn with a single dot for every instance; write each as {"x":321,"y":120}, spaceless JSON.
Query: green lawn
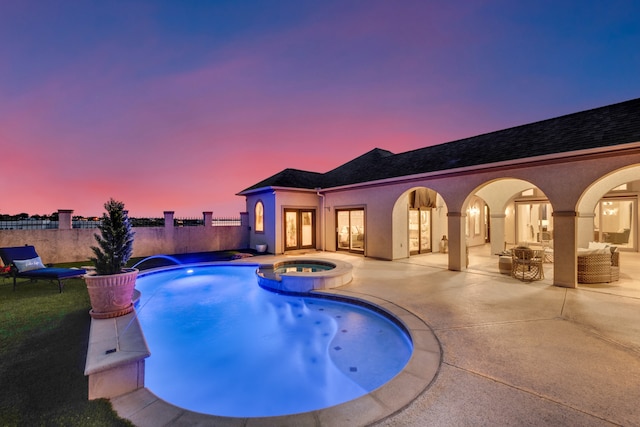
{"x":43,"y":345}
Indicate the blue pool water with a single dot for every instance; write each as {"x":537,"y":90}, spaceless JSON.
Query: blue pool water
{"x":222,"y":345}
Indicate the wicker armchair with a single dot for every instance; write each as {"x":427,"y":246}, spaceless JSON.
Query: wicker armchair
{"x":599,"y":268}
{"x":526,"y":264}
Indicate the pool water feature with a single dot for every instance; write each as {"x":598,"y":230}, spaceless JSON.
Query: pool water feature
{"x":222,"y":345}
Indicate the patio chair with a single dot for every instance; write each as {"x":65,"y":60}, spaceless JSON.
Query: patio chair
{"x":527,"y":264}
{"x":24,"y":262}
{"x":599,"y":267}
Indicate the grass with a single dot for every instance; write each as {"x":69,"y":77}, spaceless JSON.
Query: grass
{"x":43,"y":345}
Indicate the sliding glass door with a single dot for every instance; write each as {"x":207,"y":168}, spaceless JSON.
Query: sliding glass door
{"x":350,"y":229}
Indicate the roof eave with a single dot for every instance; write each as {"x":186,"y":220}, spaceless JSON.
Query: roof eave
{"x":276,"y":188}
{"x":632,"y":146}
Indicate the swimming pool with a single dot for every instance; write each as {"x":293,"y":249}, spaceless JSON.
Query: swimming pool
{"x":222,"y":345}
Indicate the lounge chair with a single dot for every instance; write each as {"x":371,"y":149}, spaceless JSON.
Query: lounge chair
{"x":24,"y":262}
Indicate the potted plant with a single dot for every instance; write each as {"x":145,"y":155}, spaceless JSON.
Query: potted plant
{"x":111,"y":286}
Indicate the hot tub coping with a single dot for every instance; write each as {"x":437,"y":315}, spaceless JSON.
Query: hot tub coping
{"x":303,"y":282}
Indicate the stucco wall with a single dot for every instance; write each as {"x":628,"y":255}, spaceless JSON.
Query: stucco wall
{"x":296,"y":200}
{"x":275,"y":201}
{"x":268,"y":236}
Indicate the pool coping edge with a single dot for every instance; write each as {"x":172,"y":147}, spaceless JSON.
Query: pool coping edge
{"x":140,"y":406}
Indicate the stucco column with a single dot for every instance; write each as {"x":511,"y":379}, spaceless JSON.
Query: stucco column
{"x":208,"y":219}
{"x":64,"y":219}
{"x":564,"y":249}
{"x":170,"y":244}
{"x":168,"y":219}
{"x":497,"y":233}
{"x":246,"y":230}
{"x":457,"y":241}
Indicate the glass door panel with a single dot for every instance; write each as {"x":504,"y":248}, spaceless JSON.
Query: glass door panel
{"x":291,"y":229}
{"x":307,"y":229}
{"x":425,"y":230}
{"x":414,"y":231}
{"x":343,"y":230}
{"x":357,"y":230}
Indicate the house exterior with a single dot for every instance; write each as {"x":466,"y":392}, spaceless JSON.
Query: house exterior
{"x":562,"y":182}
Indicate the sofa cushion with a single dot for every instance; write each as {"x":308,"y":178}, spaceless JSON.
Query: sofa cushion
{"x":583,"y":251}
{"x":598,"y":245}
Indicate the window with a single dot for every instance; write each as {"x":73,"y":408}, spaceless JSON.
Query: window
{"x":259,"y":217}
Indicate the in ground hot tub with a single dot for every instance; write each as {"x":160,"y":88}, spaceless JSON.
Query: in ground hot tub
{"x":303,"y":275}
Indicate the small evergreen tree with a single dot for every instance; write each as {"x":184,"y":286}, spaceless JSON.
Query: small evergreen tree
{"x":115,"y":242}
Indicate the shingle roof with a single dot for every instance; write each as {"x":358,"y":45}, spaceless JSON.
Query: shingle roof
{"x":292,"y":178}
{"x":600,"y":127}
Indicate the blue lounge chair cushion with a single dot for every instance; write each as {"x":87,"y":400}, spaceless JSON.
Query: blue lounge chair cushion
{"x":18,"y":252}
{"x":52,"y":273}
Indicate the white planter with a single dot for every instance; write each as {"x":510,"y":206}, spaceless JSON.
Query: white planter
{"x":261,"y":248}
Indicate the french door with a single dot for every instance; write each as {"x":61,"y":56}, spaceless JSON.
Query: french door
{"x":420,"y":230}
{"x":350,"y":230}
{"x":300,"y":229}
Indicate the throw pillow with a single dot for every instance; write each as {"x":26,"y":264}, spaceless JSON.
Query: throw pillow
{"x":28,"y":264}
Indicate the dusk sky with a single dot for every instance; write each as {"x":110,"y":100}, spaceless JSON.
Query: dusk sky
{"x":179,"y":105}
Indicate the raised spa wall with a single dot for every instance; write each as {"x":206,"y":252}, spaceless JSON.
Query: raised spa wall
{"x":115,"y":356}
{"x":301,"y":282}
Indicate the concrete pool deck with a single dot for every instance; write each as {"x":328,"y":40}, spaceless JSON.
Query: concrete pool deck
{"x":513,"y":353}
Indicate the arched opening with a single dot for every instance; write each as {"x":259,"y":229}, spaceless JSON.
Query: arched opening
{"x":519,"y":212}
{"x":608,"y":210}
{"x":419,"y":223}
{"x":503,"y":214}
{"x":607,"y":230}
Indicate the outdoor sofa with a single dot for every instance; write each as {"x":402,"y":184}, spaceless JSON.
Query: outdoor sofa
{"x":24,"y":262}
{"x":600,"y":263}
